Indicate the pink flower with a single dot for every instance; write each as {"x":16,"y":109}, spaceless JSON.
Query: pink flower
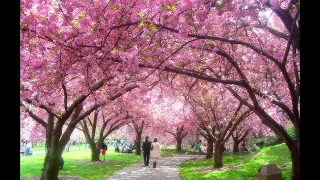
{"x":275,"y":3}
{"x":122,"y":91}
{"x":201,"y":15}
{"x":183,"y":4}
{"x":164,"y":2}
{"x":184,"y":30}
{"x":173,"y":21}
{"x":147,"y":101}
{"x":85,"y":22}
{"x":208,"y":27}
{"x":144,"y":89}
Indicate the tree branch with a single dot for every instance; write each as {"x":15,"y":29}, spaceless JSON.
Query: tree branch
{"x":127,"y":89}
{"x":65,"y":96}
{"x":35,"y":117}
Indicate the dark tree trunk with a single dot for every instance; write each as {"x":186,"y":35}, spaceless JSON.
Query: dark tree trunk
{"x":209,"y":154}
{"x":236,"y":146}
{"x":95,"y":152}
{"x":293,"y":145}
{"x":218,"y":153}
{"x":58,"y":143}
{"x":138,"y":144}
{"x":179,"y":142}
{"x":295,"y":156}
{"x":49,"y":131}
{"x":51,"y":162}
{"x":51,"y":168}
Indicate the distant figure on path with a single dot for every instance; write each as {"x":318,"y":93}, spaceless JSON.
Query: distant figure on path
{"x":199,"y":146}
{"x":104,"y":148}
{"x":28,"y":149}
{"x":253,"y":148}
{"x":243,"y":147}
{"x":116,"y":149}
{"x":146,"y":151}
{"x":68,"y":146}
{"x":155,"y":152}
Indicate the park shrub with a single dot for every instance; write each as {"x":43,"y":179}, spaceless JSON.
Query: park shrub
{"x":268,"y":141}
{"x":290,"y":130}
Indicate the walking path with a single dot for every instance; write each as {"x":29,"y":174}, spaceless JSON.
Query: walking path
{"x":167,"y":169}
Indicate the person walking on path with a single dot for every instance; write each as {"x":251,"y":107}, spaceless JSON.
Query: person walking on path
{"x":155,"y":152}
{"x":28,"y":149}
{"x":146,"y":151}
{"x":104,"y":149}
{"x":199,"y":147}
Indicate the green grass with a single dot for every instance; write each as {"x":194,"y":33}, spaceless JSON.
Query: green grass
{"x":171,"y":151}
{"x":43,"y":148}
{"x":30,"y":166}
{"x":278,"y":154}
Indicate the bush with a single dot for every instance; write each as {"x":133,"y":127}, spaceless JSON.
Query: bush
{"x":290,"y":130}
{"x":268,"y":141}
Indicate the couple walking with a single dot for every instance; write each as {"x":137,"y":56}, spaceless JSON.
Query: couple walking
{"x":153,"y":148}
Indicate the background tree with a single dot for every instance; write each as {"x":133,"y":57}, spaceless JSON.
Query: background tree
{"x":217,"y":123}
{"x":240,"y":135}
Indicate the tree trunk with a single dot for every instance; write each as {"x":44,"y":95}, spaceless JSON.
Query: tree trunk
{"x":58,"y":143}
{"x":138,"y":144}
{"x":179,"y":142}
{"x":51,"y":169}
{"x":94,"y":153}
{"x":209,"y":154}
{"x":49,"y":131}
{"x":52,"y":160}
{"x":295,"y":156}
{"x":236,"y":146}
{"x":218,"y":153}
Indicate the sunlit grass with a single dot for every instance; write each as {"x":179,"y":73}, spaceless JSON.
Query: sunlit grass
{"x":171,"y":151}
{"x":278,"y":154}
{"x":38,"y":149}
{"x":30,"y":166}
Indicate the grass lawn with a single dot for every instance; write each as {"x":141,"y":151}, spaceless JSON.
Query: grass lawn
{"x":30,"y":166}
{"x":171,"y":151}
{"x":278,"y":154}
{"x":43,"y":148}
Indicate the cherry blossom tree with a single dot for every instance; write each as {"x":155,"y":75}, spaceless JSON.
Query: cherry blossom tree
{"x":218,"y":116}
{"x":65,"y":57}
{"x":140,"y":118}
{"x":112,"y":117}
{"x":251,"y":48}
{"x":56,"y":140}
{"x":240,"y":135}
{"x":108,"y":125}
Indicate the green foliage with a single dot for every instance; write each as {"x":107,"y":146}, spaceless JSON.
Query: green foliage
{"x":77,"y":163}
{"x":290,"y":130}
{"x":278,"y":154}
{"x":268,"y":141}
{"x":171,"y":151}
